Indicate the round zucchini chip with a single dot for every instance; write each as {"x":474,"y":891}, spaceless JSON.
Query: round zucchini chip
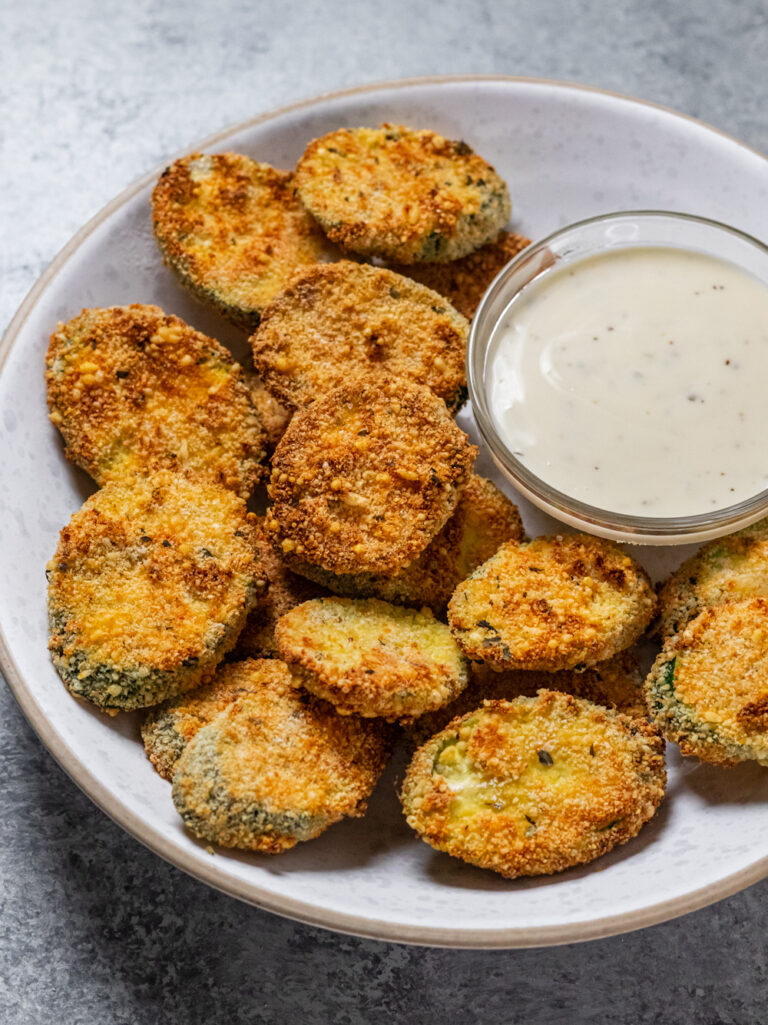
{"x":134,"y":390}
{"x":149,"y":588}
{"x":169,"y":727}
{"x":708,"y":689}
{"x":731,"y":568}
{"x":535,"y":785}
{"x":562,"y":602}
{"x":277,"y":766}
{"x":364,"y":478}
{"x":234,"y":231}
{"x":484,"y":519}
{"x":342,"y":318}
{"x":372,"y":659}
{"x":401,"y":194}
{"x":464,"y":282}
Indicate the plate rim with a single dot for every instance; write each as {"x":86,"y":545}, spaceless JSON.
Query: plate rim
{"x":299,"y":910}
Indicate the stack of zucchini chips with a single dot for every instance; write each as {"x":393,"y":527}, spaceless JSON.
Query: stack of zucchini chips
{"x":387,"y":591}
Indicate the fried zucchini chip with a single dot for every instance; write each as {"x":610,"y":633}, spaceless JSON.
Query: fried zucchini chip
{"x":364,"y":478}
{"x":284,"y":591}
{"x":169,"y":727}
{"x":370,"y":658}
{"x":149,"y":588}
{"x":277,"y":766}
{"x":234,"y":231}
{"x":401,"y":194}
{"x":342,"y":318}
{"x":464,"y":282}
{"x":535,"y":785}
{"x":616,"y":683}
{"x":484,"y":519}
{"x":708,"y":689}
{"x":731,"y":568}
{"x":134,"y":390}
{"x":552,"y":603}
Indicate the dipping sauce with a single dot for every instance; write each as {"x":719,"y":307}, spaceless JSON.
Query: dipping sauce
{"x":636,"y":381}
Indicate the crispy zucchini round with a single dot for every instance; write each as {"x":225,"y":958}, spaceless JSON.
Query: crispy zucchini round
{"x":277,"y":766}
{"x":535,"y":785}
{"x":364,"y":478}
{"x":149,"y":588}
{"x":342,"y":318}
{"x":616,"y":683}
{"x":169,"y":727}
{"x":401,"y":194}
{"x":464,"y":282}
{"x":484,"y":519}
{"x":731,"y":568}
{"x":233,"y":230}
{"x":370,"y":658}
{"x":134,"y":390}
{"x":552,"y":603}
{"x":708,"y":689}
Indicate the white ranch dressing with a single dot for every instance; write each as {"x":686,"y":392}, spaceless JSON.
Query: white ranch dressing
{"x":637,"y":381}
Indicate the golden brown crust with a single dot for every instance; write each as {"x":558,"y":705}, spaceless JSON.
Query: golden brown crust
{"x":276,"y":766}
{"x":149,"y":587}
{"x":370,"y":658}
{"x":536,"y":785}
{"x":465,"y":281}
{"x":364,"y":478}
{"x":343,"y":318}
{"x":484,"y":519}
{"x":708,"y":689}
{"x":233,"y":230}
{"x":401,"y":194}
{"x":133,"y":389}
{"x":552,"y":603}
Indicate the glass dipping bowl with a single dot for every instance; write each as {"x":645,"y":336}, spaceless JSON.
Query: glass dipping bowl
{"x":575,"y":242}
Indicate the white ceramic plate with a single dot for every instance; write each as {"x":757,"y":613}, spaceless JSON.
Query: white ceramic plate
{"x":568,"y":153}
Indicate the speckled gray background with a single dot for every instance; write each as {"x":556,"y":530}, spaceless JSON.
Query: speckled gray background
{"x":94,"y":929}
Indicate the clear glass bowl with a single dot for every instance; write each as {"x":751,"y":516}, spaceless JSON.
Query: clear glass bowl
{"x":577,"y":241}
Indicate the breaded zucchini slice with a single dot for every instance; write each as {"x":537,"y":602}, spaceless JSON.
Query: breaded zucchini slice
{"x":484,"y":519}
{"x":149,"y":588}
{"x":284,"y":591}
{"x":552,"y":603}
{"x":277,"y":766}
{"x":370,"y":658}
{"x":535,"y":785}
{"x":169,"y":727}
{"x":730,"y":568}
{"x":616,"y":683}
{"x":708,"y":689}
{"x":341,"y":318}
{"x":233,"y":230}
{"x":401,"y":194}
{"x":364,"y":478}
{"x":464,"y":282}
{"x":134,"y":390}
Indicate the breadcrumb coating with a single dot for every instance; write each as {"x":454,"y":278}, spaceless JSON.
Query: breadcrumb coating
{"x":364,"y":478}
{"x":134,"y":390}
{"x":464,"y":282}
{"x":401,"y":194}
{"x":535,"y":785}
{"x":708,"y":689}
{"x":277,"y":766}
{"x":149,"y":588}
{"x":729,"y":568}
{"x":233,"y":230}
{"x":552,"y":603}
{"x":339,"y":319}
{"x":274,"y":415}
{"x":484,"y":519}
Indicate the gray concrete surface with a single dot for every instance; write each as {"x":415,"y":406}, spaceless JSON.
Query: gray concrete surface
{"x":96,"y":930}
